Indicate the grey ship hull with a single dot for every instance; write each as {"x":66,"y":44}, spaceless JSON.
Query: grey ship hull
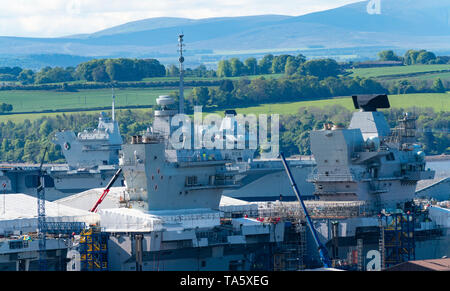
{"x":229,"y":257}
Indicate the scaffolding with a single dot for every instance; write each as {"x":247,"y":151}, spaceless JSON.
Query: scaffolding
{"x":359,"y":248}
{"x":93,"y":250}
{"x":382,"y":246}
{"x":290,"y":256}
{"x":66,"y":228}
{"x":398,"y":239}
{"x":316,"y":209}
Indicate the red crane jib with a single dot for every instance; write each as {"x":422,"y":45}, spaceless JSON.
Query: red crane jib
{"x":106,"y":191}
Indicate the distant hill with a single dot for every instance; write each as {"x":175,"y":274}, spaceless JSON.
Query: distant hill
{"x":348,"y":30}
{"x":178,"y":23}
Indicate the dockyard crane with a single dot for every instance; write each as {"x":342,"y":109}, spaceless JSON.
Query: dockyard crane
{"x":42,"y":227}
{"x":323,"y":253}
{"x":45,"y":227}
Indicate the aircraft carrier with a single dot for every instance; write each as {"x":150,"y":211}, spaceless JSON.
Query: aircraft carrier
{"x":171,"y":215}
{"x":171,"y":212}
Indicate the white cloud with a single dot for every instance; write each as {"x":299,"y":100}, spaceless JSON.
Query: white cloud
{"x":51,"y":18}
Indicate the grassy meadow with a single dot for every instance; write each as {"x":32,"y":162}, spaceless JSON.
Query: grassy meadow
{"x":439,"y":102}
{"x":398,"y":70}
{"x":39,"y":100}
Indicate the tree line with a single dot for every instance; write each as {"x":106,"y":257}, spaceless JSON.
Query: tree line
{"x":404,"y":86}
{"x":4,"y":107}
{"x":101,"y":71}
{"x":125,"y":69}
{"x":98,"y":70}
{"x":282,"y":64}
{"x":245,"y":92}
{"x":413,"y":57}
{"x":201,"y":72}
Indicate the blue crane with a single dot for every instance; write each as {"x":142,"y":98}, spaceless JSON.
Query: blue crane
{"x":41,"y":216}
{"x":323,"y":253}
{"x":45,"y":227}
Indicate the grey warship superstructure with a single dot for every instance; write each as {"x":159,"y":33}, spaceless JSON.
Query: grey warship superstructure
{"x":263,"y":179}
{"x":92,"y":158}
{"x":368,"y":161}
{"x":259,"y":179}
{"x":91,"y":148}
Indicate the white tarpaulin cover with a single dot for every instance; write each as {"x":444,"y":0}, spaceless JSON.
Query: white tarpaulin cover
{"x":228,"y":204}
{"x":87,"y":199}
{"x":124,"y":219}
{"x":114,"y":219}
{"x":440,"y":215}
{"x":20,"y":213}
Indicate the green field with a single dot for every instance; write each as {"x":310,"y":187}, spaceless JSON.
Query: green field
{"x":28,"y":101}
{"x":439,"y":102}
{"x":432,"y":77}
{"x":41,"y":100}
{"x":398,"y":70}
{"x":18,"y":118}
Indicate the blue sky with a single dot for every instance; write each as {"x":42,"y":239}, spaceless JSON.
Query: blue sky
{"x":53,"y":18}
